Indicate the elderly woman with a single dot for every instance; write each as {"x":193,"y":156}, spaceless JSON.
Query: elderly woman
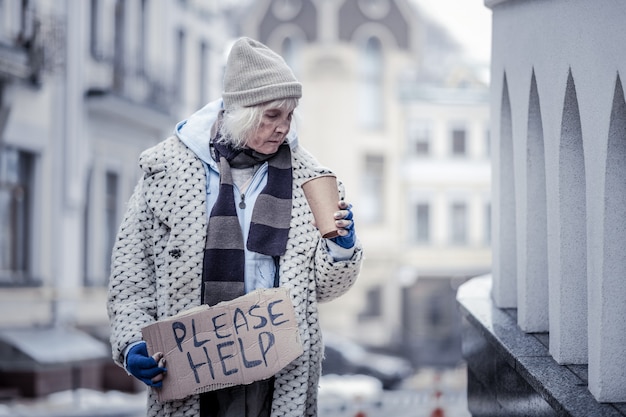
{"x":220,"y":212}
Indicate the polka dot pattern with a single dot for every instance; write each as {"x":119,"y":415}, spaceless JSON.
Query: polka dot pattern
{"x":157,"y":268}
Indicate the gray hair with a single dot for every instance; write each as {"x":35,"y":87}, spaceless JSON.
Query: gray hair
{"x":240,"y":122}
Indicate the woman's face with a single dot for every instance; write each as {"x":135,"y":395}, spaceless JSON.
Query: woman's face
{"x":271,"y":132}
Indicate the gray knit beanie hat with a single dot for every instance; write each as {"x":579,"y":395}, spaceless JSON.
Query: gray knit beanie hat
{"x":255,"y":74}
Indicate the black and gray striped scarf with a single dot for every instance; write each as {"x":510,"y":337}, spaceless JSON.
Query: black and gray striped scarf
{"x":224,"y":259}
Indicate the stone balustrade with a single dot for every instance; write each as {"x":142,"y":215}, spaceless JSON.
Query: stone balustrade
{"x":559,"y":180}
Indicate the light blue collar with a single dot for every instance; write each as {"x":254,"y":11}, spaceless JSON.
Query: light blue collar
{"x":195,"y":132}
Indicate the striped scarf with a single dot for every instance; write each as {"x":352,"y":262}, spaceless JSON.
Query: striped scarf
{"x":224,"y":257}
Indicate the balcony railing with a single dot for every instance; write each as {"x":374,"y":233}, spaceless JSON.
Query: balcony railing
{"x":22,"y":59}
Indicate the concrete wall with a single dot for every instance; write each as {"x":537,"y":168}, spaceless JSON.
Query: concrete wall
{"x":558,"y":122}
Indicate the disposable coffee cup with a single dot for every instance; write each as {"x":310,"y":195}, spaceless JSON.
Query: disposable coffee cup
{"x":323,"y":196}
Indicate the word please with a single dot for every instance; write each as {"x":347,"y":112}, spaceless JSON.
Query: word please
{"x":230,"y":341}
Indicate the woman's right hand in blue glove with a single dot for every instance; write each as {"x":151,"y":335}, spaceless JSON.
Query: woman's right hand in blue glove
{"x":148,"y":369}
{"x":345,"y":223}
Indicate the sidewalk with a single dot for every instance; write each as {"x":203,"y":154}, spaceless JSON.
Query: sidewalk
{"x":78,"y":403}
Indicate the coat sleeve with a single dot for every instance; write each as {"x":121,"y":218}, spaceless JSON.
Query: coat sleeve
{"x":131,"y":300}
{"x":334,"y":278}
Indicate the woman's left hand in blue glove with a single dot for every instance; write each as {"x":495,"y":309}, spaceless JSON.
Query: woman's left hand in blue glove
{"x":345,"y":224}
{"x":149,"y":369}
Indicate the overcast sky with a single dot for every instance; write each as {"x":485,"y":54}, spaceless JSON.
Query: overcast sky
{"x":468,"y":21}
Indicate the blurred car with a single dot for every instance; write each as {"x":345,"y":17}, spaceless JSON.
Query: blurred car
{"x":347,"y":395}
{"x":349,"y":386}
{"x":345,"y":357}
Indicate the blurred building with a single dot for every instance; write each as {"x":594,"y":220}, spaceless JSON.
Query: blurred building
{"x":84,"y":87}
{"x":409,"y":138}
{"x":545,"y":332}
{"x":447,"y":220}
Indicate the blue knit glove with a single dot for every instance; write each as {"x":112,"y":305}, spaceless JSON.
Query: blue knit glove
{"x":143,"y":366}
{"x":348,"y":240}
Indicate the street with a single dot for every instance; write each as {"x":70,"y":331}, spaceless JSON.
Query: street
{"x":428,"y":393}
{"x":402,"y":403}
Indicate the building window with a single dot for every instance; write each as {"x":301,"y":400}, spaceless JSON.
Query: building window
{"x":86,"y":228}
{"x":374,"y":9}
{"x":94,"y":29}
{"x":419,"y":138}
{"x":286,"y":9}
{"x":371,"y":208}
{"x":435,"y":312}
{"x":16,"y":21}
{"x":180,"y":59}
{"x":422,"y":211}
{"x":487,"y":143}
{"x":488,"y":224}
{"x":370,"y":96}
{"x":119,"y":42}
{"x":203,"y":75}
{"x":4,"y":13}
{"x":143,"y":38}
{"x":373,"y":303}
{"x":16,"y":188}
{"x":290,"y":51}
{"x":105,"y":20}
{"x":27,"y":31}
{"x":110,"y":214}
{"x":458,"y":224}
{"x":459,"y":141}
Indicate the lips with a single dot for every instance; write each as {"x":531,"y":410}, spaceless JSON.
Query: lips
{"x":277,"y":140}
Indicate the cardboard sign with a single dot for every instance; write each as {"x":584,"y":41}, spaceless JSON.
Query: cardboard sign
{"x":233,"y":343}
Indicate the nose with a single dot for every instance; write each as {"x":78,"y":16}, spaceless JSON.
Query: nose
{"x":283,"y":126}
